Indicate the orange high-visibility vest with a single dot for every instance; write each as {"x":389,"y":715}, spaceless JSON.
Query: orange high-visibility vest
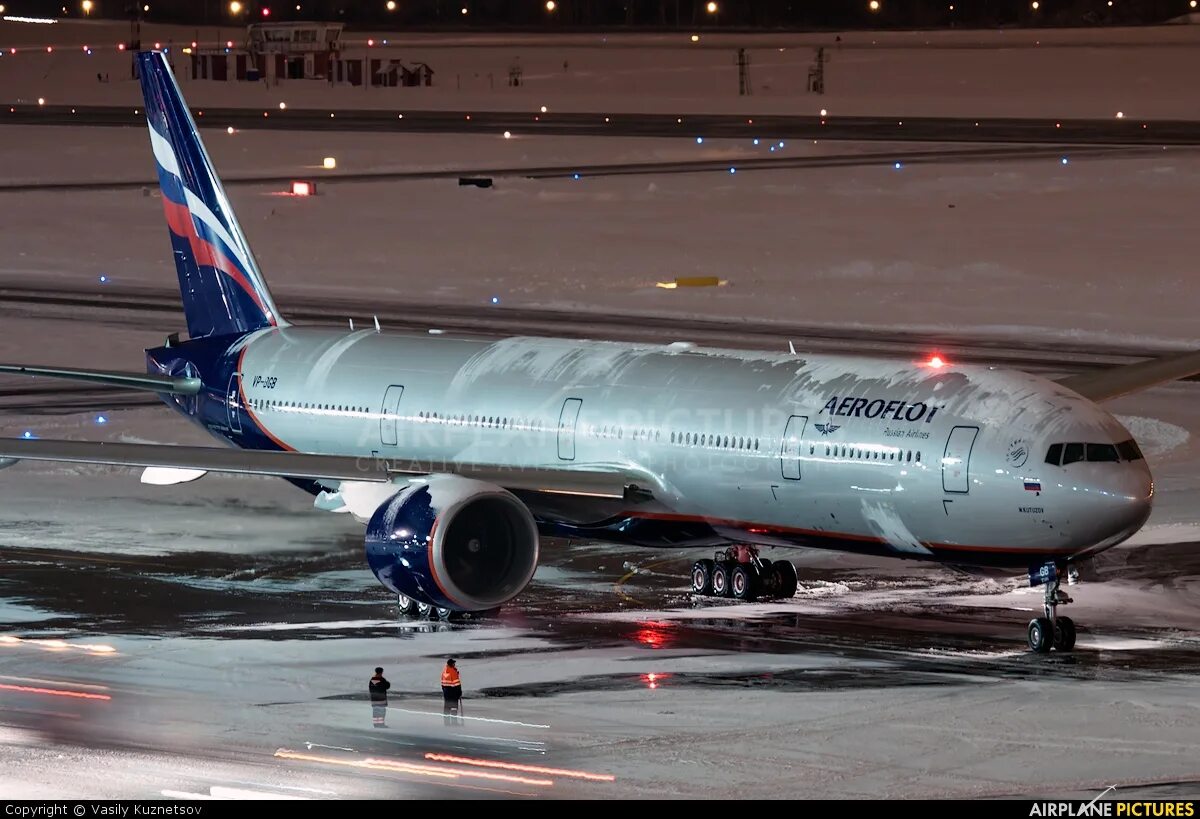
{"x":450,"y":676}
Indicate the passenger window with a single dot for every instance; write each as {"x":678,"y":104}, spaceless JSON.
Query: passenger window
{"x":1101,"y":452}
{"x":1054,"y":454}
{"x":1072,"y":453}
{"x":918,"y":457}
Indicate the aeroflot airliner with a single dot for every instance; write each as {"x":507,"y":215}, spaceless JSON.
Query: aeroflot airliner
{"x":459,"y":453}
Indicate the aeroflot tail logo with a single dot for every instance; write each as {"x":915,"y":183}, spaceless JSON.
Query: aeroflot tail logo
{"x":878,"y":408}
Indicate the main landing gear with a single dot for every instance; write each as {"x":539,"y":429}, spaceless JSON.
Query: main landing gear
{"x":424,"y":611}
{"x":1051,"y":631}
{"x":739,"y":572}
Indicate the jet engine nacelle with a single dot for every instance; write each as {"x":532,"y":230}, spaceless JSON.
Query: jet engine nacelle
{"x":453,"y":542}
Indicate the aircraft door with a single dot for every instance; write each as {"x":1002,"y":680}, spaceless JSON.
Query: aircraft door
{"x":789,"y":456}
{"x":567,"y":420}
{"x":232,"y":402}
{"x":389,"y":415}
{"x":956,"y":462}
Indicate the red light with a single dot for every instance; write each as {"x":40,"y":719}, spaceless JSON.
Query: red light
{"x":266,"y":12}
{"x":370,"y":42}
{"x":300,"y":188}
{"x":120,"y":46}
{"x":55,"y":692}
{"x":49,"y":49}
{"x":193,"y":43}
{"x":229,"y":43}
{"x":937,"y":362}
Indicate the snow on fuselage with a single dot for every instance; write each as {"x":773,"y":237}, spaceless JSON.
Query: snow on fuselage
{"x":851,"y":453}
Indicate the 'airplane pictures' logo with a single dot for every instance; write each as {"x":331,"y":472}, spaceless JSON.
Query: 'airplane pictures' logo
{"x":827,"y":429}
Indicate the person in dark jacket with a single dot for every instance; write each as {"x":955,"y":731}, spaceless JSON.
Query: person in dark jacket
{"x":378,"y":688}
{"x":451,"y":694}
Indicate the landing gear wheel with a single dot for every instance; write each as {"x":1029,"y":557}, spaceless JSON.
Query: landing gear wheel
{"x":786,"y":581}
{"x":1064,"y":634}
{"x":1041,"y":635}
{"x":702,"y":577}
{"x":406,"y":604}
{"x":424,"y":609}
{"x":742,"y":583}
{"x":720,"y":580}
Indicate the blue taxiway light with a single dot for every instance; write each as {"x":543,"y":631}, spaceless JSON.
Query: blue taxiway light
{"x":781,"y":143}
{"x":1064,"y":160}
{"x":104,"y":280}
{"x":27,"y":434}
{"x":733,"y":170}
{"x":100,"y":419}
{"x":574,"y":176}
{"x":495,"y":299}
{"x":699,"y":140}
{"x":897,"y":166}
{"x":756,"y":142}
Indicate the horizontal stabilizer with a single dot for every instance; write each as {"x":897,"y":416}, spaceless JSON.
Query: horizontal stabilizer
{"x":1104,"y":385}
{"x":131,"y":381}
{"x":592,"y":482}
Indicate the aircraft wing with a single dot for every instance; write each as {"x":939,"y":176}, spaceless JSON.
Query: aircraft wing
{"x":1117,"y":381}
{"x":593,"y":482}
{"x":112,"y":378}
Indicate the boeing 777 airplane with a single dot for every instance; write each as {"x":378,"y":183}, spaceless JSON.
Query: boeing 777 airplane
{"x":459,"y":453}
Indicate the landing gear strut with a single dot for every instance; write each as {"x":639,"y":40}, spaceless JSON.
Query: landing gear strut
{"x":1051,"y":631}
{"x":739,"y":572}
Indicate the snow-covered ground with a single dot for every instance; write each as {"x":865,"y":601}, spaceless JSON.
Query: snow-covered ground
{"x":1099,"y":249}
{"x":1144,"y":73}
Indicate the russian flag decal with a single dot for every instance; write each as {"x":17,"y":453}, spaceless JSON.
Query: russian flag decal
{"x":1033,"y":486}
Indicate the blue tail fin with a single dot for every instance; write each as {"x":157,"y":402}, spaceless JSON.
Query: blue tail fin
{"x":223,"y":291}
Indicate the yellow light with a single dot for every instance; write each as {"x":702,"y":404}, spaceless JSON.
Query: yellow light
{"x":1191,"y":4}
{"x":41,"y":100}
{"x":1035,"y":5}
{"x":712,"y":8}
{"x":464,"y":9}
{"x":146,"y":7}
{"x":824,"y":112}
{"x":235,"y":7}
{"x":229,"y":130}
{"x":391,"y":5}
{"x":543,"y":109}
{"x":551,"y":5}
{"x":873,"y":5}
{"x":283,"y":106}
{"x":87,"y":6}
{"x":1120,"y":115}
{"x":329,"y":163}
{"x":508,"y":134}
{"x":695,"y":38}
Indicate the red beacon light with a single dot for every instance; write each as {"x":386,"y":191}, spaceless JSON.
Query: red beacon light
{"x":936,"y":362}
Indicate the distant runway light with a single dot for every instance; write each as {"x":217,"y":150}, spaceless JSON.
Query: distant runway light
{"x":897,"y":166}
{"x":27,"y":435}
{"x":41,"y":100}
{"x":283,"y":106}
{"x":100,"y":419}
{"x":543,"y":109}
{"x":824,"y":113}
{"x":229,"y":130}
{"x":495,"y":299}
{"x":756,"y":142}
{"x":695,"y":38}
{"x":772,"y":149}
{"x":508,"y":134}
{"x":699,"y":140}
{"x":732,"y":169}
{"x":781,"y":143}
{"x":329,"y":163}
{"x":576,"y":176}
{"x":937,"y":362}
{"x":104,"y":280}
{"x":1064,"y":160}
{"x":1120,"y":115}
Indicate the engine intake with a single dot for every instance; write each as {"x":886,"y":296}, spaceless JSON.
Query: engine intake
{"x":453,"y":542}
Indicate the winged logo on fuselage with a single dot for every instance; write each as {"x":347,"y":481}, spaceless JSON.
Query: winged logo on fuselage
{"x":827,"y":429}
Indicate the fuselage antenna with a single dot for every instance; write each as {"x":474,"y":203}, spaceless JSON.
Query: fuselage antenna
{"x":377,"y":324}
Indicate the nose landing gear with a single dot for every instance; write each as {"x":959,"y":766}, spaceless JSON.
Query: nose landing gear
{"x":739,"y":572}
{"x":1051,"y":631}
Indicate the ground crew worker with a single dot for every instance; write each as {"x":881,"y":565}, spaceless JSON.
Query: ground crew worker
{"x":451,"y":694}
{"x":378,"y":687}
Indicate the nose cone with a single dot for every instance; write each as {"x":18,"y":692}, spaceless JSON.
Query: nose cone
{"x":1119,"y":502}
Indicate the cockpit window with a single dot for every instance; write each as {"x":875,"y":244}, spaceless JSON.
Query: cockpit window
{"x":1129,"y":450}
{"x":1063,"y":454}
{"x":1072,"y":453}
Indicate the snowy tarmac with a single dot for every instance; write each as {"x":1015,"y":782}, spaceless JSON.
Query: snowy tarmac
{"x":215,"y":639}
